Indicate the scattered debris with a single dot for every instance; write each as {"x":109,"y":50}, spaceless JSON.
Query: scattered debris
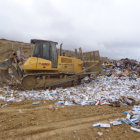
{"x":20,"y":111}
{"x":132,"y":118}
{"x":100,"y":133}
{"x":123,"y":120}
{"x":96,"y":125}
{"x":59,"y":103}
{"x":116,"y":122}
{"x":68,"y":103}
{"x":105,"y":125}
{"x":135,"y":129}
{"x":36,"y":103}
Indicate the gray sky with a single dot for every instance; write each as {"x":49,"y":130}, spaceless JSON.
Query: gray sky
{"x":111,"y":26}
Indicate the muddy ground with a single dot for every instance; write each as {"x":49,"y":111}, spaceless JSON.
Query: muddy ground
{"x":46,"y":121}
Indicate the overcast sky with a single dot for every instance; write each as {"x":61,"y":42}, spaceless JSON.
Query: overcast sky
{"x":111,"y":26}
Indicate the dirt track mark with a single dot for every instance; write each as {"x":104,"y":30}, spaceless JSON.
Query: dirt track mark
{"x":51,"y":129}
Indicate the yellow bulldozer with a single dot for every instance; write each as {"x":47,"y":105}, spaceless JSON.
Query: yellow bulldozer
{"x":45,"y":68}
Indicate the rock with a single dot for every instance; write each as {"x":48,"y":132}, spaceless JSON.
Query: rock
{"x":100,"y":133}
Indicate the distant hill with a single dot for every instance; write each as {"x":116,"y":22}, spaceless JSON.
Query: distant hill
{"x":8,"y":46}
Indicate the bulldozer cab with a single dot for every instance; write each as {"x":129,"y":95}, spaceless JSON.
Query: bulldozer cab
{"x":46,"y":50}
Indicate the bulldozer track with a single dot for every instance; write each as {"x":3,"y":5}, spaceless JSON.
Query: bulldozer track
{"x":47,"y":80}
{"x":42,"y":80}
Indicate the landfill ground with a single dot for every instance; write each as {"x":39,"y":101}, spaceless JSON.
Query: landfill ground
{"x":47,"y":121}
{"x":81,"y":107}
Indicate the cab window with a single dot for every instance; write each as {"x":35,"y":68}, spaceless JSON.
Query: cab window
{"x":36,"y":52}
{"x":46,"y":50}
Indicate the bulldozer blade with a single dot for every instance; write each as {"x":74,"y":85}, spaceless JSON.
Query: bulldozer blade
{"x":15,"y":72}
{"x":4,"y":65}
{"x":4,"y":76}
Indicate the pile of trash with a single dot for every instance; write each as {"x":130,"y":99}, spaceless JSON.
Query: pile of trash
{"x":123,"y":67}
{"x":107,"y":90}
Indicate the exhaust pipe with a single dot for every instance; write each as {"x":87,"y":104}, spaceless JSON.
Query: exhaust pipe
{"x":61,"y":49}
